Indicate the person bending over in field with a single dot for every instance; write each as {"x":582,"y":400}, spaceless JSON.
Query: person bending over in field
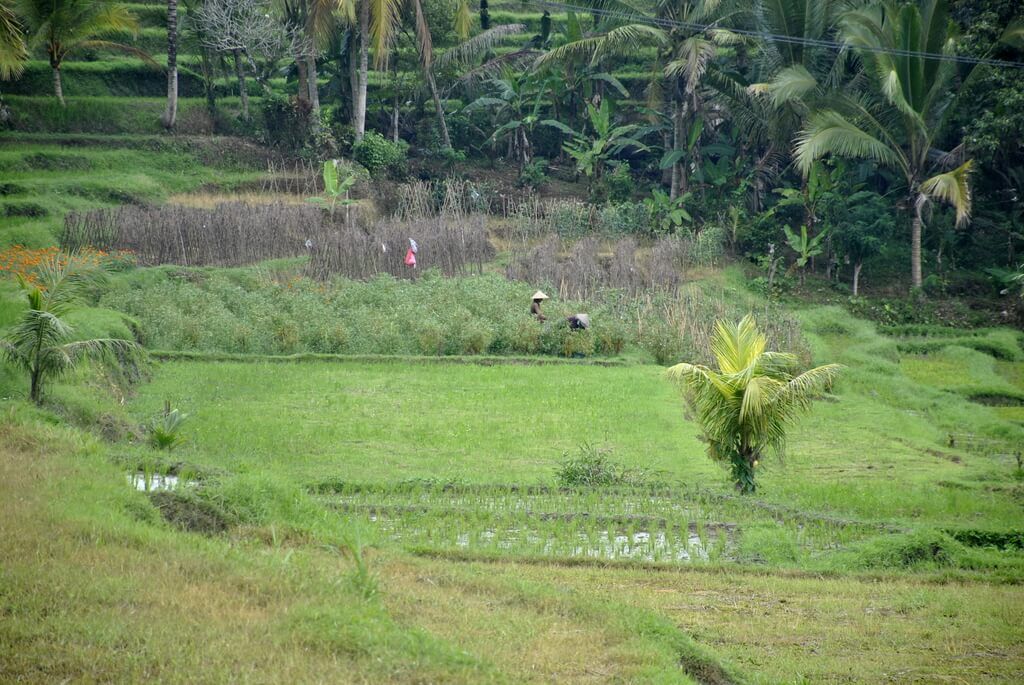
{"x":579,"y":322}
{"x":538,"y":297}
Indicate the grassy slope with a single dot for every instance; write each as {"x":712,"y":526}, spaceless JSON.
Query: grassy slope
{"x":50,"y":179}
{"x":386,"y":422}
{"x":140,"y":602}
{"x":877,"y":453}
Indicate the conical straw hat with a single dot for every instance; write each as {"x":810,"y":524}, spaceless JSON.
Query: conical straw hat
{"x":539,"y":295}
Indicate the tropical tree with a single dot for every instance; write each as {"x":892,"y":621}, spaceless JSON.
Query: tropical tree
{"x":897,"y":123}
{"x":592,"y":150}
{"x":379,"y":22}
{"x":12,"y":44}
{"x":171,"y":113}
{"x":745,"y":405}
{"x":863,"y":222}
{"x":514,"y":102}
{"x":41,"y":343}
{"x":65,"y":26}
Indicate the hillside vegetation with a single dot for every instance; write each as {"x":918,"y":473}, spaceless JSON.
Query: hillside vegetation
{"x":289,"y":415}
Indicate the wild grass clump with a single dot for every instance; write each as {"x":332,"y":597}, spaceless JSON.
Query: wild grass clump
{"x":592,"y":466}
{"x":928,"y":549}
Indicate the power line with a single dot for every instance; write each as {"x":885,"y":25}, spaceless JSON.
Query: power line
{"x":662,"y":22}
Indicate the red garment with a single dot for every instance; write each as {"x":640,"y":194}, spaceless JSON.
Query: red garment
{"x":410,"y":258}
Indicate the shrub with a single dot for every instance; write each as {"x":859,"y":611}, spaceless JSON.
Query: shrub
{"x":534,"y":174}
{"x":578,"y":344}
{"x":911,"y":550}
{"x":430,"y":339}
{"x":380,"y":155}
{"x":526,"y":338}
{"x":592,"y":468}
{"x":625,"y":218}
{"x":708,"y":246}
{"x":610,"y":337}
{"x":476,"y":340}
{"x":663,"y":342}
{"x":619,"y":183}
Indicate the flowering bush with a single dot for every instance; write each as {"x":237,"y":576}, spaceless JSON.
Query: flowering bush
{"x":18,"y":260}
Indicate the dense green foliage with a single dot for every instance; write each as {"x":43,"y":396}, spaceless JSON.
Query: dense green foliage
{"x":565,"y":87}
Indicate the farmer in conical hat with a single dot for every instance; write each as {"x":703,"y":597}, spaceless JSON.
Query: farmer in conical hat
{"x":538,"y":297}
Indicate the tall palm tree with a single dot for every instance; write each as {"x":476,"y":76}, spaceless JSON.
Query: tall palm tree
{"x":745,"y":405}
{"x":171,"y":113}
{"x":897,"y":123}
{"x":41,"y":342}
{"x":12,"y":44}
{"x":64,"y":26}
{"x":379,"y":22}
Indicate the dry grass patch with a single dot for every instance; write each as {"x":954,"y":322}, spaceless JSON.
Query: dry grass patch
{"x":783,"y":629}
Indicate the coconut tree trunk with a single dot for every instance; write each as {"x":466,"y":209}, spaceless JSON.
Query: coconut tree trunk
{"x":395,"y":111}
{"x":35,"y":392}
{"x":313,"y":87}
{"x":209,"y":87}
{"x":915,"y":241}
{"x":242,"y":91}
{"x":353,"y":75}
{"x":439,"y":108}
{"x":300,"y":68}
{"x":364,"y":55}
{"x":856,"y":278}
{"x":171,"y":113}
{"x":58,"y":89}
{"x":673,"y":190}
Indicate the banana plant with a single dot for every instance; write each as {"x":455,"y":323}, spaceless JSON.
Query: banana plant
{"x":804,"y":246}
{"x":667,"y":214}
{"x":592,"y":152}
{"x":336,"y":189}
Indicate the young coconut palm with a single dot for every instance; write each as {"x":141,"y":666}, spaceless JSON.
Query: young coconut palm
{"x":65,"y":26}
{"x":745,"y":406}
{"x":41,"y":343}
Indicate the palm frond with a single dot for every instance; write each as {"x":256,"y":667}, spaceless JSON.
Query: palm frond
{"x":424,"y":40}
{"x":321,"y":19}
{"x":954,"y":188}
{"x":13,"y":51}
{"x":101,"y":349}
{"x":385,"y":18}
{"x":798,"y":392}
{"x":478,"y":45}
{"x":463,"y":20}
{"x":830,"y":133}
{"x":692,"y":61}
{"x":37,"y":329}
{"x":126,"y":49}
{"x":793,"y":83}
{"x":1013,"y":34}
{"x":498,"y":65}
{"x":619,"y":40}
